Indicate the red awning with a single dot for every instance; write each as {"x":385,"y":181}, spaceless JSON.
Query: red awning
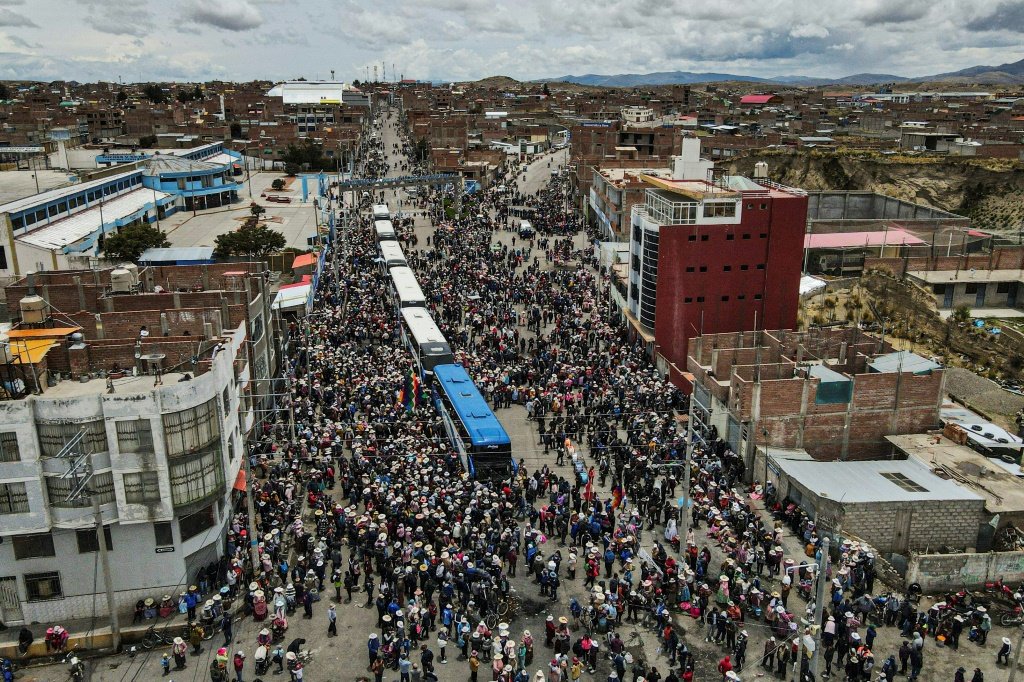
{"x":240,"y":481}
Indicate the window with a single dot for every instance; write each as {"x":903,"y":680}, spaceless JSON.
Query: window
{"x":58,"y":489}
{"x":750,"y":206}
{"x":939,"y":289}
{"x":1003,"y":288}
{"x":226,"y":397}
{"x":162,"y":534}
{"x":134,"y":435}
{"x":746,"y":236}
{"x":764,"y":207}
{"x":87,"y":540}
{"x":53,"y":437}
{"x":903,"y":482}
{"x":196,"y":477}
{"x":3,"y":258}
{"x":52,"y":209}
{"x":744,"y":267}
{"x":141,"y":487}
{"x":257,"y":328}
{"x":9,"y":450}
{"x":763,"y":235}
{"x":757,"y":297}
{"x":194,"y":524}
{"x":724,"y":299}
{"x":700,"y":299}
{"x":720,"y":209}
{"x":192,"y":429}
{"x":43,"y":586}
{"x":704,"y":237}
{"x":760,"y":266}
{"x":690,"y":268}
{"x":33,"y":546}
{"x":688,"y":299}
{"x":730,"y":237}
{"x":13,"y":498}
{"x":970,"y":288}
{"x":692,"y":238}
{"x":726,"y":268}
{"x":741,"y":297}
{"x":703,"y":268}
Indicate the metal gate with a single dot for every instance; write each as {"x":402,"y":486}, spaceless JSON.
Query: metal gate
{"x":10,"y":604}
{"x":733,"y":435}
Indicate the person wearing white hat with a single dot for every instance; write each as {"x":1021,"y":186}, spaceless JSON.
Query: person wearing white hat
{"x":1003,"y":657}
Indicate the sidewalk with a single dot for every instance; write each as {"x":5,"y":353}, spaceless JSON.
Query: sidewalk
{"x":87,"y":634}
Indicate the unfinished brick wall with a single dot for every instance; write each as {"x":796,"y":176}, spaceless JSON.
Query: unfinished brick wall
{"x":1006,"y":258}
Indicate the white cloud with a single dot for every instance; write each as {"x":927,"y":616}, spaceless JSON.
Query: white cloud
{"x":230,"y":15}
{"x":809,"y":31}
{"x":9,"y":17}
{"x":468,"y":39}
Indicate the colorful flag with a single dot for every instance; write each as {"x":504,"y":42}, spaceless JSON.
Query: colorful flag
{"x":417,"y":388}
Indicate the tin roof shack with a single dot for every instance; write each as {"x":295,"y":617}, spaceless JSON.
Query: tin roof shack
{"x":999,"y":483}
{"x":896,"y":506}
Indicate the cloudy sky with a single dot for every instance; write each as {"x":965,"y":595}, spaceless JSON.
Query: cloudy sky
{"x":184,"y":40}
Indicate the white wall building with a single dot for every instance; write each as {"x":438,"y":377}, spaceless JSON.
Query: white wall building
{"x":165,"y":460}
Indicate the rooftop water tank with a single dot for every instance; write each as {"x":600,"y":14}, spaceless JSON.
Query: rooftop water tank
{"x":120,"y":281}
{"x":33,"y":310}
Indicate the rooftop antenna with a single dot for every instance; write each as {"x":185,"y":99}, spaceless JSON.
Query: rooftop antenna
{"x":332,"y":74}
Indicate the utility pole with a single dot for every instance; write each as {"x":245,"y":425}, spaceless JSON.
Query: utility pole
{"x":688,"y":452}
{"x":80,"y":470}
{"x":1016,"y":660}
{"x":819,"y":604}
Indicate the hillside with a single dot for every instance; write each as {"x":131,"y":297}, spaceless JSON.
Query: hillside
{"x":988,"y":191}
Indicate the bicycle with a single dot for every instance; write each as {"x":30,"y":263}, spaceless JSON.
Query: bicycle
{"x":153,"y":637}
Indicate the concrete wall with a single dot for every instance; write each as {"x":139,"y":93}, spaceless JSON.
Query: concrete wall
{"x":867,"y":206}
{"x":932,"y":523}
{"x":937,"y":572}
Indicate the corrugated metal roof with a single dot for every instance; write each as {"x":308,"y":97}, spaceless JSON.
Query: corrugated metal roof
{"x":59,"y":193}
{"x":833,"y":480}
{"x":902,"y":361}
{"x":176,"y":253}
{"x":838,"y":240}
{"x":80,"y":225}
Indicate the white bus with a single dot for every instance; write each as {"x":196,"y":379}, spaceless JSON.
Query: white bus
{"x":406,"y":289}
{"x":392,"y":254}
{"x":381,"y":212}
{"x":385,"y":231}
{"x":425,"y":341}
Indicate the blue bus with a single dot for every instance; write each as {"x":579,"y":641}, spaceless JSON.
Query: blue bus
{"x":476,"y":434}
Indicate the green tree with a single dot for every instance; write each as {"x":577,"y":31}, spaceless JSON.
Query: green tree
{"x":256,"y":210}
{"x":184,"y":96}
{"x":236,"y":130}
{"x":154,"y":93}
{"x":122,"y":96}
{"x":147,"y":141}
{"x":197,"y":93}
{"x":131,"y":241}
{"x":252,"y":239}
{"x":961,"y":316}
{"x":277,"y":185}
{"x":5,"y":92}
{"x":547,"y":90}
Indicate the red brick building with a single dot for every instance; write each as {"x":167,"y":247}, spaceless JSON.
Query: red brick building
{"x":711,"y":253}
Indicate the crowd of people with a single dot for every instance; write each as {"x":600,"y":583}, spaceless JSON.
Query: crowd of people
{"x":363,"y":501}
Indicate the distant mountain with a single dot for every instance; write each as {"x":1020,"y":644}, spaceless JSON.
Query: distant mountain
{"x":855,"y":79}
{"x":627,"y":80}
{"x":1004,"y":74}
